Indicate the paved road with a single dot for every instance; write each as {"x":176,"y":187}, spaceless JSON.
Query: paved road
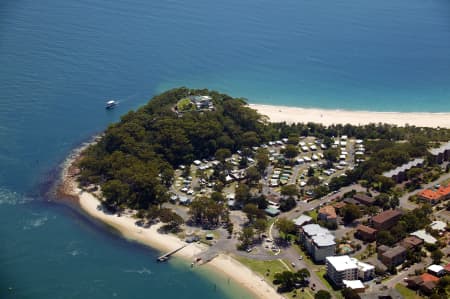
{"x":404,"y":274}
{"x":408,"y":205}
{"x":313,"y":204}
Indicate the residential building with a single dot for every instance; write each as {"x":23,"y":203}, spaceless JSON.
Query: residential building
{"x":202,"y":102}
{"x":436,"y":270}
{"x":438,"y":225}
{"x":411,"y":242}
{"x":365,"y":233}
{"x":384,"y":294}
{"x":355,"y":285}
{"x":436,"y":195}
{"x":274,"y":200}
{"x":426,"y":237}
{"x":399,"y":174}
{"x":386,"y":219}
{"x":340,"y":268}
{"x":302,"y":220}
{"x":364,"y":199}
{"x":391,"y":256}
{"x":327,"y":214}
{"x":272,"y":211}
{"x":441,"y":153}
{"x":425,"y":282}
{"x":366,"y":271}
{"x":351,"y":201}
{"x":318,"y":242}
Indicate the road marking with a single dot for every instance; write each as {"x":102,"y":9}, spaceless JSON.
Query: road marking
{"x":284,"y":264}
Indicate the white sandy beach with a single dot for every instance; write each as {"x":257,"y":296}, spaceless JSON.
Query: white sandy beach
{"x":224,"y":264}
{"x":329,"y":117}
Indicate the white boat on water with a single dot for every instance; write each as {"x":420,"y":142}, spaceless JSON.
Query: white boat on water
{"x":110,"y":104}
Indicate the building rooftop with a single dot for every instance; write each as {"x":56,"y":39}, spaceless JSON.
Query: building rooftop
{"x":403,"y":167}
{"x":437,"y":194}
{"x":353,"y":201}
{"x":353,"y":284}
{"x":366,"y":229}
{"x":426,"y":237}
{"x":302,"y":219}
{"x":438,"y":225}
{"x":362,"y":266}
{"x":364,"y":199}
{"x":314,"y":229}
{"x":319,"y":235}
{"x":435,"y":268}
{"x":386,"y":216}
{"x":428,"y":277}
{"x":440,"y":150}
{"x":411,"y":241}
{"x":324,"y":240}
{"x":385,"y":294}
{"x":394,"y":251}
{"x":272,"y":211}
{"x":341,"y":263}
{"x":329,"y":211}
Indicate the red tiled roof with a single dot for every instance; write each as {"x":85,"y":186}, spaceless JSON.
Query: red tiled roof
{"x":435,"y":195}
{"x":329,"y":211}
{"x":428,"y":277}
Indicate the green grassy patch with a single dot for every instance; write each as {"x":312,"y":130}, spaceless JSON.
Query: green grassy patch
{"x":313,"y":214}
{"x":275,"y":266}
{"x":185,"y":105}
{"x":321,"y":274}
{"x":262,"y":267}
{"x":407,"y":293}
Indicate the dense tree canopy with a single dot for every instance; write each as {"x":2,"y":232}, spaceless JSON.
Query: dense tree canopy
{"x":134,"y":160}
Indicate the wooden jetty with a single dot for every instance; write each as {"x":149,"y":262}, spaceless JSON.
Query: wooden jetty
{"x":166,"y":256}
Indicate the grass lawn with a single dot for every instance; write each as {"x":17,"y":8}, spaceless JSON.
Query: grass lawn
{"x":261,"y":267}
{"x":185,"y":105}
{"x":407,"y":293}
{"x":320,"y":273}
{"x":275,"y":266}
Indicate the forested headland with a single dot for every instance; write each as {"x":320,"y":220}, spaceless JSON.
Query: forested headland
{"x":134,"y":160}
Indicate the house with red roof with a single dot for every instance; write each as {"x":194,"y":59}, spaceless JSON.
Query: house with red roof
{"x":436,"y":195}
{"x":425,"y":282}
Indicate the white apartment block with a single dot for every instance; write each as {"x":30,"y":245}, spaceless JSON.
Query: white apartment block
{"x":318,"y":241}
{"x":343,"y":267}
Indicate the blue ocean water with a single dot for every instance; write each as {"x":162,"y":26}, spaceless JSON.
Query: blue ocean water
{"x":61,"y":60}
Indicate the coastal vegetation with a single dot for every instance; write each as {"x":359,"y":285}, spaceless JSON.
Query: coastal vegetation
{"x":134,"y":161}
{"x":207,"y":166}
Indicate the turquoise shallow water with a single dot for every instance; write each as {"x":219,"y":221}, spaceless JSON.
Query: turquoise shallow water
{"x":61,"y":60}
